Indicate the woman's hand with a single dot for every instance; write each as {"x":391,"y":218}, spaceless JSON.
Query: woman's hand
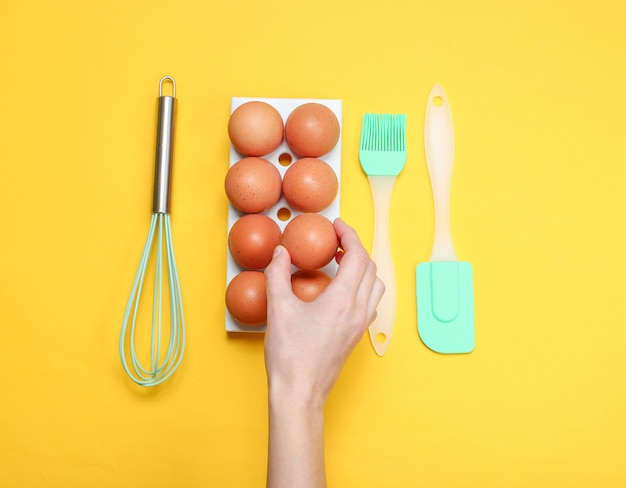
{"x":306,"y":347}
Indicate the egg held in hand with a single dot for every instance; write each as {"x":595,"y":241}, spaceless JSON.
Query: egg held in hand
{"x":246,"y":298}
{"x":252,"y":239}
{"x":253,"y":185}
{"x":311,"y":241}
{"x":312,"y":130}
{"x":310,"y":185}
{"x":308,"y":284}
{"x":255,"y":128}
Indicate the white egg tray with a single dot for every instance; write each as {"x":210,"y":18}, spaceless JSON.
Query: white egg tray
{"x":284,"y":106}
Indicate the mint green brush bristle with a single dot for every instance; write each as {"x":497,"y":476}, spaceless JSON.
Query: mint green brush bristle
{"x":383,"y":155}
{"x":383,"y":144}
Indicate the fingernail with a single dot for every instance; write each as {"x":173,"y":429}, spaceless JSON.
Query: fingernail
{"x":277,"y":251}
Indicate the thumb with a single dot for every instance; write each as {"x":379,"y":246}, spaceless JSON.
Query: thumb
{"x":278,"y":274}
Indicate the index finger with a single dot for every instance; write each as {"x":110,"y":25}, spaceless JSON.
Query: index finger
{"x":348,"y":237}
{"x":355,"y":259}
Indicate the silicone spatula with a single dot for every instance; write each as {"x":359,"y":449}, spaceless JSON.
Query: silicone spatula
{"x":445,"y":285}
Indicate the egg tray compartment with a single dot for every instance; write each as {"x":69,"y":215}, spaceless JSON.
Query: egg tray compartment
{"x":283,"y":154}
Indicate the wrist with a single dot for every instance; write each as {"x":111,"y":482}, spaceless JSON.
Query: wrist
{"x":295,"y":398}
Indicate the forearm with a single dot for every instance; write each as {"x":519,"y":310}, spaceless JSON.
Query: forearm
{"x":296,"y":443}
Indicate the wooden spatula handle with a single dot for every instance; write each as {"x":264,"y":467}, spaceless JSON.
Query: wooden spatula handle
{"x":381,"y":329}
{"x":439,"y":148}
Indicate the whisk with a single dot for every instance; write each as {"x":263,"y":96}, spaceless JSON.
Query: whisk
{"x":163,"y":361}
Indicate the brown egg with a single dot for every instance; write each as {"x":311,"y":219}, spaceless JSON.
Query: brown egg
{"x":253,"y":185}
{"x":252,"y":240}
{"x":310,"y":185}
{"x":308,"y":284}
{"x":311,"y":241}
{"x":255,"y":128}
{"x":312,"y":130}
{"x":246,"y":298}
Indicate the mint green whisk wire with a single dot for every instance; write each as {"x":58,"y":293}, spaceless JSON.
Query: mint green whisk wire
{"x":162,"y":366}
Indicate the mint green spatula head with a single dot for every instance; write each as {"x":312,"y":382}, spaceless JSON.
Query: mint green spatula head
{"x":445,"y":306}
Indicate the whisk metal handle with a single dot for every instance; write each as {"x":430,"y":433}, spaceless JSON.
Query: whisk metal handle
{"x":164,"y":140}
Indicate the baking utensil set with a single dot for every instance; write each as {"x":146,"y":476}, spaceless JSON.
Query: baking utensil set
{"x":444,"y":286}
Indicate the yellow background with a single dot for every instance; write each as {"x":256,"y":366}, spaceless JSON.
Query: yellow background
{"x":538,"y":96}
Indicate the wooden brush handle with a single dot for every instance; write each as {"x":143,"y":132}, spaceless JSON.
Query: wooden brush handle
{"x":382,"y":328}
